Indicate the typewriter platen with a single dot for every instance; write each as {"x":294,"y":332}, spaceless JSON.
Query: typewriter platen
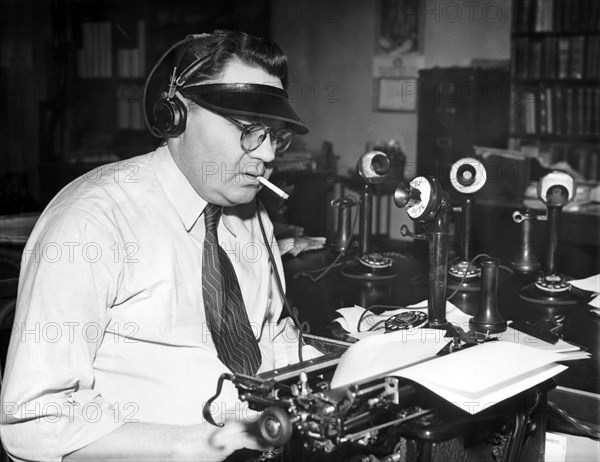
{"x":383,"y":418}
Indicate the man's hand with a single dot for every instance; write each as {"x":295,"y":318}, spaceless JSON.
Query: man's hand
{"x":213,"y":444}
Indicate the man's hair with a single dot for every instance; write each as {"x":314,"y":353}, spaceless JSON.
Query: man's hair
{"x":222,"y":47}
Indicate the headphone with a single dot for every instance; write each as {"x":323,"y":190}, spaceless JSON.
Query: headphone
{"x":169,"y":113}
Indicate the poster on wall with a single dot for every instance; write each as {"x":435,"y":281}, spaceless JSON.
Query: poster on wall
{"x":398,"y":54}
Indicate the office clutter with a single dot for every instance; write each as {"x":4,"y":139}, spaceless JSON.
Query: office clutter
{"x":592,"y":285}
{"x":467,"y":176}
{"x":470,"y":336}
{"x":309,"y":178}
{"x":372,"y":167}
{"x":395,"y":406}
{"x":459,"y":108}
{"x":555,"y":190}
{"x":15,"y":229}
{"x":360,"y":211}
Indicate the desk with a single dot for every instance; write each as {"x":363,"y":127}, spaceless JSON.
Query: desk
{"x":317,"y":302}
{"x":579,"y":243}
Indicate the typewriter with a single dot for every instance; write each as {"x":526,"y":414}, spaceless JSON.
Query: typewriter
{"x":383,"y":418}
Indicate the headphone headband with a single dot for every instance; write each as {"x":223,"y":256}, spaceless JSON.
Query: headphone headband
{"x":167,"y":107}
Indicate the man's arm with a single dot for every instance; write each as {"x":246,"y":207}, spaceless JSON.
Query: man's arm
{"x":49,"y":404}
{"x":160,"y":442}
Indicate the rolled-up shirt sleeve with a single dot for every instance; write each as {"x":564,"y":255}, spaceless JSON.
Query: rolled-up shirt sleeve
{"x":67,"y":285}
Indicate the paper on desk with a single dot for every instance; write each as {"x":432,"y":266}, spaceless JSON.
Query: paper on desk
{"x":591,"y":284}
{"x":350,"y":316}
{"x":298,"y":244}
{"x":566,"y":349}
{"x":472,"y":379}
{"x":383,"y":353}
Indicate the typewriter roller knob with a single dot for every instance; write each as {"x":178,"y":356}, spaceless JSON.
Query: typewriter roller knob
{"x":275,"y":426}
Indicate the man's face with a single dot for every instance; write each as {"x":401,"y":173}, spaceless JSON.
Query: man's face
{"x":209,"y":152}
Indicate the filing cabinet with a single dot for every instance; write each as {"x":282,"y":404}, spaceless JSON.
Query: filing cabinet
{"x":459,"y":108}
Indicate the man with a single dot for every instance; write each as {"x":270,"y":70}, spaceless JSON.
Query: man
{"x":121,"y":329}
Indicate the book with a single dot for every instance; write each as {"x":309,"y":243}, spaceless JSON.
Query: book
{"x":535,"y":59}
{"x":569,"y":111}
{"x":576,"y":60}
{"x":544,"y":15}
{"x":549,"y":111}
{"x":580,"y":123}
{"x":520,"y":61}
{"x":596,"y":111}
{"x":563,"y":57}
{"x":589,"y":111}
{"x":129,"y":114}
{"x":524,"y":12}
{"x":530,"y":111}
{"x":513,"y":119}
{"x":592,"y":58}
{"x":542,"y":117}
{"x":558,"y":104}
{"x":550,"y":61}
{"x":558,"y":19}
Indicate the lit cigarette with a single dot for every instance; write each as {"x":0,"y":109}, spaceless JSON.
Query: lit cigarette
{"x":272,"y":187}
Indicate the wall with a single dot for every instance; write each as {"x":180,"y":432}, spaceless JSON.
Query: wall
{"x":330,"y":46}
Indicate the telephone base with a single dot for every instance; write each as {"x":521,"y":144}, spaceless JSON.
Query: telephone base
{"x":468,"y":285}
{"x":359,"y":271}
{"x":533,"y":294}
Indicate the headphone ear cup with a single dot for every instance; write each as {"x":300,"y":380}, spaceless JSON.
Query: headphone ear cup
{"x":169,"y":117}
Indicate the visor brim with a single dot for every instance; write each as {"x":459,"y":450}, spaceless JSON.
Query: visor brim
{"x":246,"y":99}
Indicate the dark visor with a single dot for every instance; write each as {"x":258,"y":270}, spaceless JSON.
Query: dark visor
{"x":246,"y":99}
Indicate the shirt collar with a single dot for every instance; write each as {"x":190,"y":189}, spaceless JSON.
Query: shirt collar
{"x":184,"y":198}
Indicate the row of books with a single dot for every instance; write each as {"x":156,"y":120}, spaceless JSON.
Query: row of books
{"x":556,"y":110}
{"x":556,"y":15}
{"x":95,"y":57}
{"x":556,"y":57}
{"x":129,"y":107}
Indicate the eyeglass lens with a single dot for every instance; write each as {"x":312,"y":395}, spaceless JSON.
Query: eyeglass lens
{"x":254,"y":135}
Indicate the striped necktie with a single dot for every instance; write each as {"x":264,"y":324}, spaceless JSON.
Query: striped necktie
{"x":223,"y":303}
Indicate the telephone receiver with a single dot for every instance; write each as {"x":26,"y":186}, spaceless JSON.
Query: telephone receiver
{"x":467,"y":176}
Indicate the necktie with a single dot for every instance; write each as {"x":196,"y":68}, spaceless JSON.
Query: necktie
{"x":223,"y":303}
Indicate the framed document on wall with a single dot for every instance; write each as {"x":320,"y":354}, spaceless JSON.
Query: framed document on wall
{"x":397,"y":94}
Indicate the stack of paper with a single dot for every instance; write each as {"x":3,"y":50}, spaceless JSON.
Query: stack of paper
{"x":350,"y":317}
{"x":472,"y":379}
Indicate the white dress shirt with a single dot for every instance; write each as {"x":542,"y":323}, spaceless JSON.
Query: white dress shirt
{"x":110,"y":324}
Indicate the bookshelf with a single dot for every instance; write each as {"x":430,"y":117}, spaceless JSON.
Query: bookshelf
{"x":104,"y":50}
{"x":105,"y":63}
{"x":555,"y":70}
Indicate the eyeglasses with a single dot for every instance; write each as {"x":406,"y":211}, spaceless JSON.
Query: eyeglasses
{"x":253,"y":135}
